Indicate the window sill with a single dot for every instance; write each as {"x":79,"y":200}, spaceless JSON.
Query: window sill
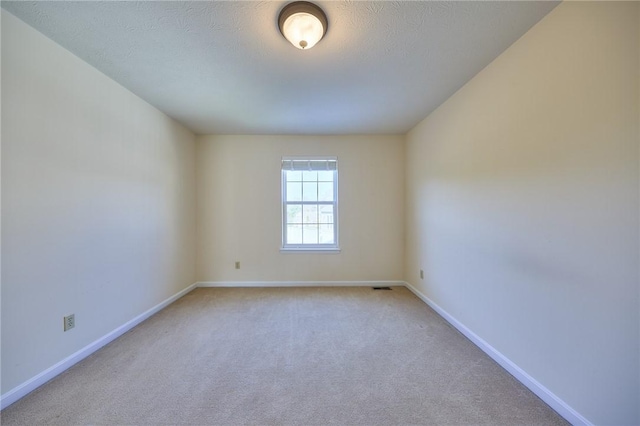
{"x":316,"y":250}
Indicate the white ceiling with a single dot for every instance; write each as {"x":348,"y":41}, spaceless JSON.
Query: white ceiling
{"x":223,"y":67}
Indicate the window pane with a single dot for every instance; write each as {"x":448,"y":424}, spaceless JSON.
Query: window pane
{"x":325,"y":214}
{"x":310,"y":234}
{"x":310,"y":191}
{"x":325,"y":191}
{"x":325,"y":176}
{"x":326,"y":234}
{"x":294,"y":234}
{"x":308,"y":176}
{"x":294,"y":213}
{"x":294,"y":191}
{"x":310,"y":214}
{"x":310,"y":202}
{"x":294,"y":176}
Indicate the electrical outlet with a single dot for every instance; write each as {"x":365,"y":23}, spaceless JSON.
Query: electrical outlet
{"x":421,"y":274}
{"x":69,"y":322}
{"x":237,"y":265}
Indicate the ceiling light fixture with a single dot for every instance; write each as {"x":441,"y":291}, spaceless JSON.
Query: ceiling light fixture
{"x":303,"y":24}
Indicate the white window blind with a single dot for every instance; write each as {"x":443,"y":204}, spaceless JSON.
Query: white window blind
{"x":309,"y":165}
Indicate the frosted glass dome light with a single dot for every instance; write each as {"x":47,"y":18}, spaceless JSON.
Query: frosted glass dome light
{"x":303,"y":24}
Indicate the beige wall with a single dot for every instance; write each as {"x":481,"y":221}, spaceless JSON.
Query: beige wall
{"x":522,"y":207}
{"x":98,"y":204}
{"x":239,"y":209}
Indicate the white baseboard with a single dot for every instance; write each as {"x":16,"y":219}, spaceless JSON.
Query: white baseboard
{"x":545,"y":394}
{"x":561,"y":407}
{"x":23,"y":389}
{"x":299,"y":283}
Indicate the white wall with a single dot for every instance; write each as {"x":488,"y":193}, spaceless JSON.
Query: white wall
{"x":98,"y":204}
{"x":239,"y":209}
{"x":523,"y":209}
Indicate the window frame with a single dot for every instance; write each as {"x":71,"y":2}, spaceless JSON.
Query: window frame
{"x":302,"y":247}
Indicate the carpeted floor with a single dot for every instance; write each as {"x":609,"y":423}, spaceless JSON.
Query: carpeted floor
{"x":287,"y":356}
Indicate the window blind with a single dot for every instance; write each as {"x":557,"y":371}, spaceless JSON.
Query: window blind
{"x":310,"y":165}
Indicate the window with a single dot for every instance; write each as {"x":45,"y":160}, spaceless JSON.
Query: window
{"x":310,"y":203}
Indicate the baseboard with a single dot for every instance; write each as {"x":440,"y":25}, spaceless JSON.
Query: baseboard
{"x":561,"y":407}
{"x":30,"y":385}
{"x":542,"y":392}
{"x":299,"y":283}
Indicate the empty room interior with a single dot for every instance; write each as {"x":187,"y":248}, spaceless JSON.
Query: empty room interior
{"x":338,"y":212}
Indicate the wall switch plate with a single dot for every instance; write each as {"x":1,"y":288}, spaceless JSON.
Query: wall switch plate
{"x":421,"y":274}
{"x":237,"y":265}
{"x":69,"y":322}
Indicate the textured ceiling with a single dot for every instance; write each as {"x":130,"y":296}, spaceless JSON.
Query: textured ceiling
{"x":224,"y":68}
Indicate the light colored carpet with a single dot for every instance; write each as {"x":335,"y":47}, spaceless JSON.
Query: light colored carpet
{"x":287,"y":356}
